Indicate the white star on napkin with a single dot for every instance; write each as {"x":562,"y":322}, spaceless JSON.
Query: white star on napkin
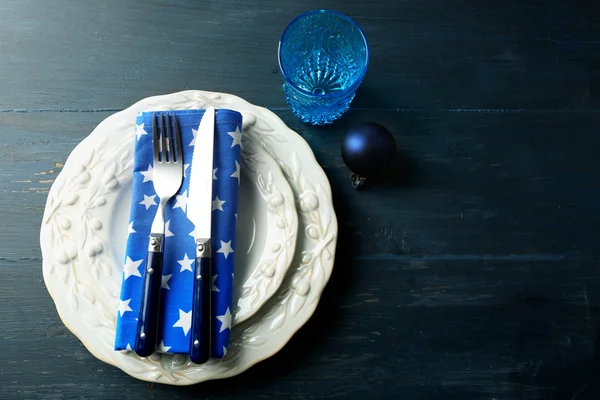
{"x":130,"y":230}
{"x":225,"y":248}
{"x":131,"y":268}
{"x":182,"y":201}
{"x":217,"y":204}
{"x":148,"y":201}
{"x":195,"y":133}
{"x":162,"y":348}
{"x":186,"y":263}
{"x":236,"y":174}
{"x":124,"y":306}
{"x":168,"y":232}
{"x":139,"y":131}
{"x":148,"y":174}
{"x":237,"y":137}
{"x":225,"y":320}
{"x":184,"y":322}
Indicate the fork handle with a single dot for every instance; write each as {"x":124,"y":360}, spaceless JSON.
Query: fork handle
{"x":147,"y":327}
{"x":201,"y":319}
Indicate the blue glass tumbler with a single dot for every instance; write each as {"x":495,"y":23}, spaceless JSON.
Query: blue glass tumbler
{"x":323,"y":57}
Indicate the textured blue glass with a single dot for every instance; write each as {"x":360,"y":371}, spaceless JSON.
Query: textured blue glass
{"x":323,"y":57}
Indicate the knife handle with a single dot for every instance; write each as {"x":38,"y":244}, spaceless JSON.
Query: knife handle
{"x":147,"y":327}
{"x":201,"y":318}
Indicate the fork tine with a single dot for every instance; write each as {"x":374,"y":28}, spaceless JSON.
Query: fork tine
{"x":163,"y":139}
{"x":177,"y":140}
{"x":169,"y":139}
{"x":155,"y":138}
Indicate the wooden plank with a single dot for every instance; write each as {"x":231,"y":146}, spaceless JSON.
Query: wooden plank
{"x":438,"y":55}
{"x":469,"y":329}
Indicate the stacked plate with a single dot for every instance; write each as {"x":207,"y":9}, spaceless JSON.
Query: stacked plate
{"x":286,"y":238}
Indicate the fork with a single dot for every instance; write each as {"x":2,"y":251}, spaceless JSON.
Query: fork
{"x":167,"y":178}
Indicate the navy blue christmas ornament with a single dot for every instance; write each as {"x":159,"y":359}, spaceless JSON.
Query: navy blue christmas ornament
{"x":368,"y":150}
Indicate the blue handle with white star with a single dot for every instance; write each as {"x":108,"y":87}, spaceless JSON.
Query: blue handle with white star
{"x":147,"y":325}
{"x":200,"y":330}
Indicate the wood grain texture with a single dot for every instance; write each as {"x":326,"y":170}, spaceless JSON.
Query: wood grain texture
{"x":442,"y":54}
{"x":470,"y":273}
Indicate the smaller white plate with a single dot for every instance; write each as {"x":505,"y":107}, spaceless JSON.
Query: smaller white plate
{"x":266,"y":234}
{"x":267,"y":231}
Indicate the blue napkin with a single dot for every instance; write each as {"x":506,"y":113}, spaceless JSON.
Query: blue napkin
{"x":177,"y":283}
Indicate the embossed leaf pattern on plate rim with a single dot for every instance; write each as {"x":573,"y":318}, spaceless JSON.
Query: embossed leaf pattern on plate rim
{"x":282,"y":232}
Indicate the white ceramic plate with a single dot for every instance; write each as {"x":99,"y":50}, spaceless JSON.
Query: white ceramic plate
{"x":267,"y":231}
{"x":81,"y":263}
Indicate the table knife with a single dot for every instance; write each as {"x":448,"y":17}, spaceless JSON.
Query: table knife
{"x":200,"y":214}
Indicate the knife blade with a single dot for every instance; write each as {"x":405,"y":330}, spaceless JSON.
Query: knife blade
{"x":200,"y":214}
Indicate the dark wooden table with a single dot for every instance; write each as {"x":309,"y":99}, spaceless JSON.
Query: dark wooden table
{"x":473,"y":274}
